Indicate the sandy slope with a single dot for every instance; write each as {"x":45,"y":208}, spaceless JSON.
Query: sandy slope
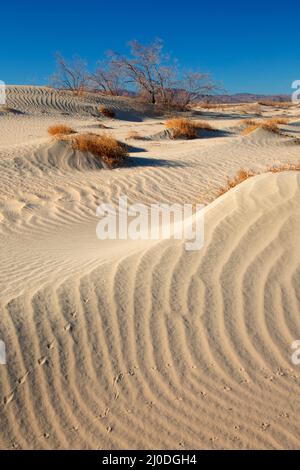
{"x":142,"y":344}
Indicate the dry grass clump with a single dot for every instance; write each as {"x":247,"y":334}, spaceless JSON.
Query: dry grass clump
{"x":105,"y":147}
{"x":107,"y":112}
{"x":60,"y":129}
{"x":186,"y":128}
{"x":250,"y":108}
{"x":284,"y":167}
{"x":249,"y":122}
{"x":182,"y":128}
{"x":250,"y":128}
{"x":203,"y":125}
{"x":269,"y":125}
{"x":133,"y":135}
{"x":279,"y":120}
{"x":209,"y":105}
{"x":278,"y":104}
{"x":241,"y":176}
{"x":6,"y":109}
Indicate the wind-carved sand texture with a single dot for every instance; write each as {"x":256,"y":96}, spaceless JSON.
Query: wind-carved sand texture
{"x":123,"y":344}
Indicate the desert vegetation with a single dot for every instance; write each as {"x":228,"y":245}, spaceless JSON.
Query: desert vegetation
{"x":182,"y":128}
{"x":268,"y":124}
{"x":107,"y":112}
{"x":147,"y":70}
{"x":60,"y":129}
{"x":133,"y":135}
{"x":281,"y":104}
{"x":105,"y":147}
{"x":243,"y":175}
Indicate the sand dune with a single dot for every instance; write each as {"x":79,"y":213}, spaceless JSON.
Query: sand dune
{"x":123,"y":344}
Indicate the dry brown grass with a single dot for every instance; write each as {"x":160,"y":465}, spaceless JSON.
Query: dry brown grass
{"x":284,"y":167}
{"x":253,"y":108}
{"x":276,"y":104}
{"x":6,"y":109}
{"x":107,"y":112}
{"x":210,"y":105}
{"x":60,"y":129}
{"x":105,"y":147}
{"x":182,"y":128}
{"x":133,"y":135}
{"x":243,"y":175}
{"x":276,"y":120}
{"x":249,"y":122}
{"x":250,"y":129}
{"x":186,"y":128}
{"x":270,"y":125}
{"x":203,"y":125}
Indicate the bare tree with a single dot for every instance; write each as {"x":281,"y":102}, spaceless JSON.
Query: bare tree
{"x":108,"y":78}
{"x":72,"y":75}
{"x":194,"y":86}
{"x":141,"y":69}
{"x":156,"y":76}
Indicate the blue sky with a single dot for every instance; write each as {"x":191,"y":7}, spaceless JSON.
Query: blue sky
{"x":249,"y":46}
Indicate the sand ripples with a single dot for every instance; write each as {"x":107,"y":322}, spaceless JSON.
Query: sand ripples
{"x":188,"y":343}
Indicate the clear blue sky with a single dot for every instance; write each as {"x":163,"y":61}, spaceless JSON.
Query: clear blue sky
{"x":250,"y":46}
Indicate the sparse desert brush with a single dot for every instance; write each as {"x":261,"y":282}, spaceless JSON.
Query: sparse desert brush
{"x":278,"y":104}
{"x":182,"y":128}
{"x":279,"y":120}
{"x":105,"y":147}
{"x":241,"y":176}
{"x":60,"y":129}
{"x":249,"y":122}
{"x":250,"y":128}
{"x":250,"y":108}
{"x":6,"y":109}
{"x":208,"y":105}
{"x":186,"y":128}
{"x":269,"y":125}
{"x":219,"y":106}
{"x":107,"y":112}
{"x":203,"y":125}
{"x":284,"y":167}
{"x":133,"y":135}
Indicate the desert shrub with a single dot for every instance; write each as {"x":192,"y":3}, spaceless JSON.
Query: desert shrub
{"x":249,"y":122}
{"x":241,"y":176}
{"x":203,"y":125}
{"x":107,"y":112}
{"x":279,"y":104}
{"x":284,"y":167}
{"x":269,"y":125}
{"x":105,"y":147}
{"x":279,"y":120}
{"x":133,"y":135}
{"x":186,"y":128}
{"x":182,"y":128}
{"x":60,"y":129}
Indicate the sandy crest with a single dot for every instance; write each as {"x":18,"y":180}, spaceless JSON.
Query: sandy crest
{"x":109,"y":342}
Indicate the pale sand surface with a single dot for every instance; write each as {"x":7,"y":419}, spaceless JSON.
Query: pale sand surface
{"x":122,"y":344}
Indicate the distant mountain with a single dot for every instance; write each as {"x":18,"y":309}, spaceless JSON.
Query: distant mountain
{"x":247,"y":98}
